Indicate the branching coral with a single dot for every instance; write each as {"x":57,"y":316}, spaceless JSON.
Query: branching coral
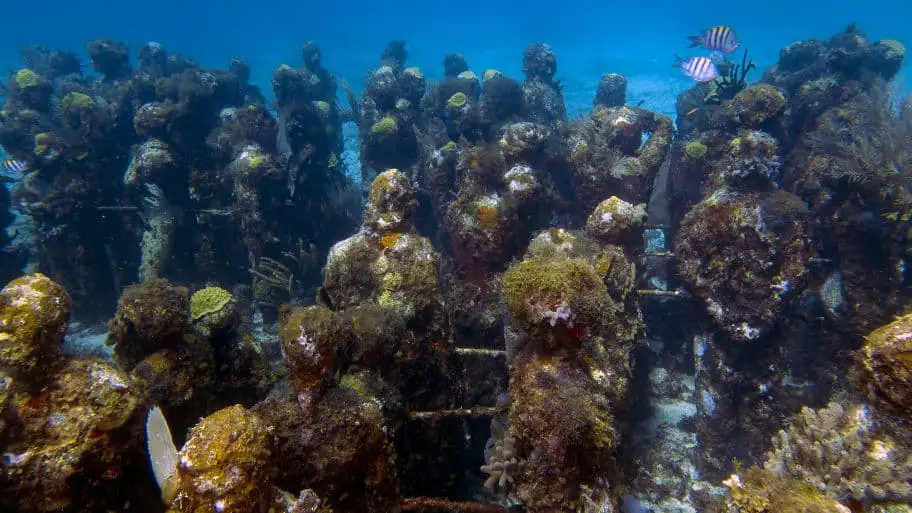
{"x":501,"y":463}
{"x":845,"y":453}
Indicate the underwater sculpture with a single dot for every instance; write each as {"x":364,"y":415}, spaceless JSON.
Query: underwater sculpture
{"x":572,"y":324}
{"x":758,"y":144}
{"x":179,"y":167}
{"x":70,"y":431}
{"x":479,"y":342}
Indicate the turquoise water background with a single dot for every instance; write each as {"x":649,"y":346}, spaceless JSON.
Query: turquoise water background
{"x":636,"y":38}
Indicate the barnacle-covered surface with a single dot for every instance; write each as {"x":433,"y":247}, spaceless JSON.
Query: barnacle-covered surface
{"x":515,"y":308}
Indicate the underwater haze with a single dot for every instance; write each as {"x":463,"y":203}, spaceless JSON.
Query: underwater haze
{"x":477,"y":257}
{"x":590,"y":38}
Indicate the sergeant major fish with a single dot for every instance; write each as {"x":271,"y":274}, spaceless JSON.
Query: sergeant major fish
{"x":721,"y":38}
{"x":12,"y":169}
{"x":701,"y":69}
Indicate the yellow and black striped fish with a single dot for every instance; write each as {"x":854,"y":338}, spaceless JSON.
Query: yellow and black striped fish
{"x":13,"y":169}
{"x":721,"y":38}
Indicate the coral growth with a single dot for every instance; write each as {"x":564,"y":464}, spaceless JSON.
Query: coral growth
{"x":844,"y":452}
{"x":149,"y":317}
{"x":179,"y":162}
{"x":70,"y":428}
{"x":609,"y":157}
{"x":33,"y":316}
{"x":312,"y":338}
{"x":452,"y":307}
{"x":211,"y":309}
{"x":614,"y":219}
{"x":77,"y":443}
{"x":573,"y":326}
{"x":886,"y":371}
{"x":743,"y":254}
{"x":224,"y":466}
{"x":758,"y":491}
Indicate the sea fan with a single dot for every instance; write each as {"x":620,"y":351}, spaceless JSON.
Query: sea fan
{"x":868,"y":143}
{"x":162,"y":452}
{"x":613,"y":161}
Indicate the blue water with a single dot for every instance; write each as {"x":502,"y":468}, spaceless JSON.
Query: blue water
{"x":638,"y":39}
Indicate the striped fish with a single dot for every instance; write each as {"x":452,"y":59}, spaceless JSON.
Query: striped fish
{"x":12,"y":169}
{"x":721,"y":38}
{"x":701,"y":69}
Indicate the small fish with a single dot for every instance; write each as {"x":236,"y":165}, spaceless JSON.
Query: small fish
{"x":721,"y":38}
{"x":13,"y":169}
{"x":701,"y":69}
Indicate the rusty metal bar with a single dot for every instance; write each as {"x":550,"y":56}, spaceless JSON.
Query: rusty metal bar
{"x":478,"y":411}
{"x":436,"y":505}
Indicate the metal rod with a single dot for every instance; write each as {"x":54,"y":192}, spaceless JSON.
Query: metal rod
{"x":494,"y":353}
{"x":117,"y":208}
{"x":657,"y":292}
{"x":478,"y":411}
{"x":130,"y":208}
{"x":434,"y":504}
